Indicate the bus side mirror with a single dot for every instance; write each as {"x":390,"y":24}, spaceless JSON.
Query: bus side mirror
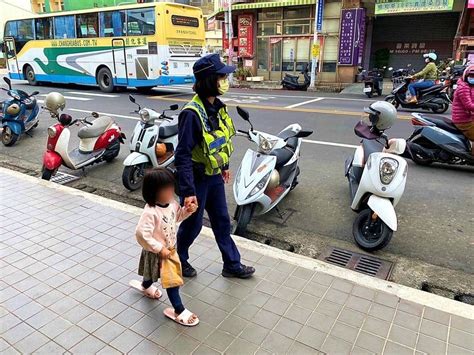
{"x":174,"y":107}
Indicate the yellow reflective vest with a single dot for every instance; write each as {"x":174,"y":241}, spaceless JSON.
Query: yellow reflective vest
{"x":216,"y":147}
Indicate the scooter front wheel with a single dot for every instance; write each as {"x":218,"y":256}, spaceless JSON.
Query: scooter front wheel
{"x":8,"y":137}
{"x":47,"y":174}
{"x":391,"y":99}
{"x":370,"y":232}
{"x":132,"y":176}
{"x":242,"y":218}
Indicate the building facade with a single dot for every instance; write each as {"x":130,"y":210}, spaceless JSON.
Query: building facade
{"x":276,"y":37}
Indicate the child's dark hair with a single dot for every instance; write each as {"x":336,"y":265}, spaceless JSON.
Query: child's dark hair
{"x":207,"y":87}
{"x":154,"y":181}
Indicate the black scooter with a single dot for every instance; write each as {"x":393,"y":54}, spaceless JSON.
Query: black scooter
{"x":437,"y":140}
{"x":291,"y":82}
{"x":373,"y":82}
{"x":434,"y":98}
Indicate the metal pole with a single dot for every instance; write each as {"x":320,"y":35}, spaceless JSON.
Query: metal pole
{"x":314,"y":60}
{"x":230,"y":35}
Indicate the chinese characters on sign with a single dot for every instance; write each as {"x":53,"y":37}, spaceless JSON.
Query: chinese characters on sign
{"x":319,"y":18}
{"x":351,"y":39}
{"x":400,"y":6}
{"x":245,"y":35}
{"x":411,"y":48}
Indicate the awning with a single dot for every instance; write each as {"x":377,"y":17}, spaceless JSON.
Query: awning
{"x":262,"y":5}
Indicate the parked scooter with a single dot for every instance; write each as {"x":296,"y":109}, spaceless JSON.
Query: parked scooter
{"x":377,"y":177}
{"x":434,"y":98}
{"x":151,"y":145}
{"x":373,"y":82}
{"x":437,"y":140}
{"x":291,"y":82}
{"x":266,"y":175}
{"x":99,"y":140}
{"x":20,"y":114}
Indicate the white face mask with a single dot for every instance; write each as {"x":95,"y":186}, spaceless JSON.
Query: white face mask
{"x":427,"y":60}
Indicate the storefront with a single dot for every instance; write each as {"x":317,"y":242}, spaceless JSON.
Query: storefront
{"x":464,"y":41}
{"x":274,"y":38}
{"x":402,"y":32}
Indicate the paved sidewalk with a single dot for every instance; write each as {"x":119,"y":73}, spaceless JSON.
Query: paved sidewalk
{"x":67,"y":258}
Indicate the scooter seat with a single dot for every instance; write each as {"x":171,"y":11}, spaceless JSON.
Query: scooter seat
{"x":168,"y":130}
{"x":284,"y":154}
{"x":433,"y":88}
{"x":443,"y":123}
{"x":371,"y":146}
{"x":99,"y":126}
{"x":291,"y":76}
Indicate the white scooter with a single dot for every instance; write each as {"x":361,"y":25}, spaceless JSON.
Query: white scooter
{"x":377,"y":180}
{"x":265,"y":176}
{"x":151,"y":145}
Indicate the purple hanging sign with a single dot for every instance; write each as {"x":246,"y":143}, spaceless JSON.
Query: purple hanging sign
{"x":352,"y":37}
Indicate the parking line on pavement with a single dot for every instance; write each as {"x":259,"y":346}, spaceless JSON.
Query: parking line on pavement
{"x":72,"y":98}
{"x":330,"y":143}
{"x":91,"y":94}
{"x":305,"y":102}
{"x":105,"y":114}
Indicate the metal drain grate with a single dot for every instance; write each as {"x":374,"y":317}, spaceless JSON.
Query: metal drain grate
{"x":63,"y":178}
{"x":365,"y":264}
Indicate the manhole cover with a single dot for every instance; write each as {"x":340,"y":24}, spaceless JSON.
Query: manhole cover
{"x":363,"y":263}
{"x":63,"y":178}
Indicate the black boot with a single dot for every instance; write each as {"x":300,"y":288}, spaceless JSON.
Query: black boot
{"x":188,"y":270}
{"x":244,"y":273}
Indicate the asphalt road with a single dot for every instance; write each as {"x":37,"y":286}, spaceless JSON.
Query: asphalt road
{"x":436,"y":221}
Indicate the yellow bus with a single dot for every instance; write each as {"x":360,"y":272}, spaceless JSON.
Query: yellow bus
{"x":140,"y":45}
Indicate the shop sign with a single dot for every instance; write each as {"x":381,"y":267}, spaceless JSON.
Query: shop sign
{"x":412,"y":48}
{"x":245,"y":35}
{"x":225,"y":38}
{"x":470,"y":4}
{"x":402,"y":6}
{"x":351,"y":36}
{"x":319,"y":17}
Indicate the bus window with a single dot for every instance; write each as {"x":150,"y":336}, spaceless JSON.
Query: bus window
{"x":11,"y":29}
{"x":44,"y":28}
{"x":112,"y":23}
{"x":64,"y":27}
{"x":141,"y":22}
{"x":87,"y":25}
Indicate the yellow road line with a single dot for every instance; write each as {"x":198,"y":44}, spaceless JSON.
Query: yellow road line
{"x":281,"y":108}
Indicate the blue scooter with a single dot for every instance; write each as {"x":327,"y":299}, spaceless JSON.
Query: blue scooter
{"x":20,"y":114}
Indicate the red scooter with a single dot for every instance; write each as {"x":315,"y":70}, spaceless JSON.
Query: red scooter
{"x":99,"y":141}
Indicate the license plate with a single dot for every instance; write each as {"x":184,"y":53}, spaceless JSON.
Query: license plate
{"x":367,"y":89}
{"x":455,"y":86}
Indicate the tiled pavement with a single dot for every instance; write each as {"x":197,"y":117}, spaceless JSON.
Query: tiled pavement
{"x":66,"y":262}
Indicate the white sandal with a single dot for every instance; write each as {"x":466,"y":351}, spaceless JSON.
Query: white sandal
{"x":151,"y":292}
{"x":183,"y":318}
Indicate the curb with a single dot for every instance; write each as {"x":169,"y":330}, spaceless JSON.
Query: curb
{"x":403,"y":292}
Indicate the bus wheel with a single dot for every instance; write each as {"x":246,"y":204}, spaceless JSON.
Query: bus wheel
{"x":105,"y":80}
{"x":30,"y":76}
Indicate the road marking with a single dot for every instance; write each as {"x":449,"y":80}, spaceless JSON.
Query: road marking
{"x":91,"y":94}
{"x":282,"y":108}
{"x":72,"y":98}
{"x":305,"y":102}
{"x":305,"y":97}
{"x":106,"y":114}
{"x":330,"y":143}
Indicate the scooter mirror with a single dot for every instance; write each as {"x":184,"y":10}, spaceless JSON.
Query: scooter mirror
{"x":131,"y":98}
{"x":174,"y":107}
{"x":8,"y":81}
{"x":94,"y":114}
{"x":243,"y":113}
{"x":34,"y":93}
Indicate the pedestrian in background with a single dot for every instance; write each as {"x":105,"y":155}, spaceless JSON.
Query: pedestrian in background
{"x":202,"y":161}
{"x":156,"y":233}
{"x":463,"y":105}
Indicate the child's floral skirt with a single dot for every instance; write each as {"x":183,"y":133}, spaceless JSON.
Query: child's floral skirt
{"x":149,"y":266}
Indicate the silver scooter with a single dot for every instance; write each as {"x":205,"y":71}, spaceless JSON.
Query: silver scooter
{"x":151,"y":145}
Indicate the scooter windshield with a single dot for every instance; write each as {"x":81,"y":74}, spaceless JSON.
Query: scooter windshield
{"x":362,"y":130}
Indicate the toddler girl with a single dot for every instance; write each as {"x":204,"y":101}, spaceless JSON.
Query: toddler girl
{"x":156,"y":233}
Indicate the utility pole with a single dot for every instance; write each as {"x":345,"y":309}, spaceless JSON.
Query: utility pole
{"x":318,"y":14}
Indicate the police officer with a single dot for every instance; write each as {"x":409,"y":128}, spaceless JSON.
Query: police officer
{"x":202,"y":163}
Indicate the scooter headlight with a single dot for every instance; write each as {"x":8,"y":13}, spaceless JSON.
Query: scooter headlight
{"x":265,"y":145}
{"x":387,"y":169}
{"x":144,"y":116}
{"x":52,"y":132}
{"x":261,"y":184}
